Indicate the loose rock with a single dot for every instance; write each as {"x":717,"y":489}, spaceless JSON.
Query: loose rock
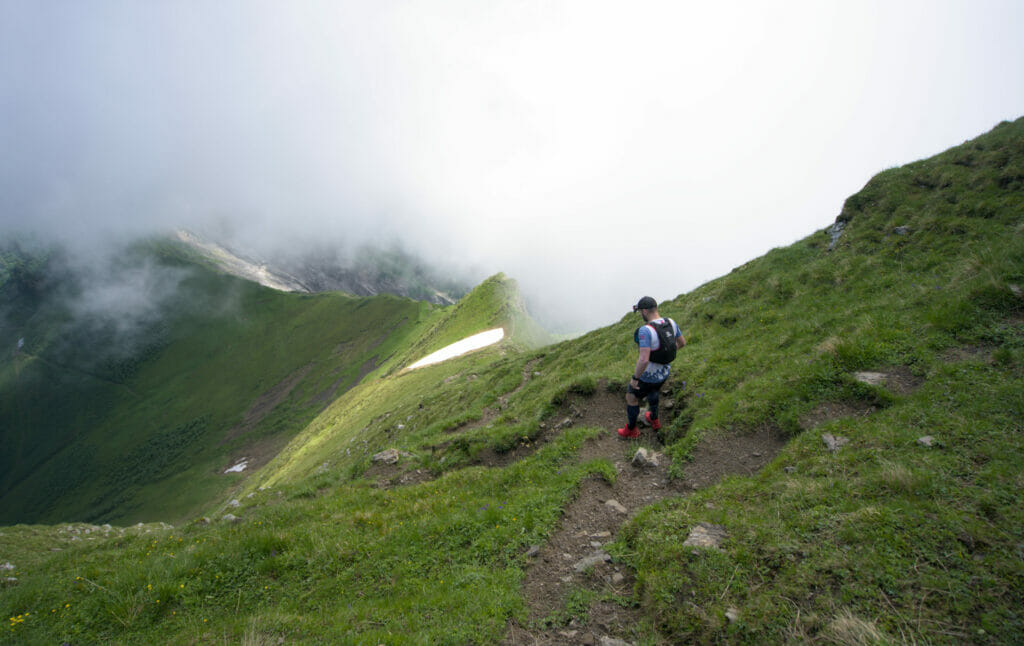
{"x":733,"y":615}
{"x":706,"y":535}
{"x":231,"y":518}
{"x":833,"y":442}
{"x":644,"y":458}
{"x":616,"y":505}
{"x":390,"y":456}
{"x":871,"y":378}
{"x":927,"y":440}
{"x":593,"y":559}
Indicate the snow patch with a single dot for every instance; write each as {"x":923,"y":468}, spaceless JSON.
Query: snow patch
{"x":239,"y":466}
{"x":459,"y":348}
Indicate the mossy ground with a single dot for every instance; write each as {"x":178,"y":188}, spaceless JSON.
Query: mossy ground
{"x":883,"y":541}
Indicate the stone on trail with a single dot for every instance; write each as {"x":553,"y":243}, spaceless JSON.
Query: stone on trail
{"x":833,"y":442}
{"x":593,"y":559}
{"x":231,"y":518}
{"x":613,"y":641}
{"x":706,"y":535}
{"x":616,"y":505}
{"x":644,"y":458}
{"x":533,"y":551}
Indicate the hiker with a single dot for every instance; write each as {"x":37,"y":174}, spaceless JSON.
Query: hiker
{"x":658,"y":339}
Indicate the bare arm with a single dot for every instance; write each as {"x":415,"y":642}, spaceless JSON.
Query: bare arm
{"x":642,"y":361}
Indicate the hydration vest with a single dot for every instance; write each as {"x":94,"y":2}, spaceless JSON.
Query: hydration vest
{"x":666,"y":332}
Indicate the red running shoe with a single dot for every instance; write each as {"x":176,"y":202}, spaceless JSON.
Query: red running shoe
{"x":655,"y":423}
{"x":629,"y":433}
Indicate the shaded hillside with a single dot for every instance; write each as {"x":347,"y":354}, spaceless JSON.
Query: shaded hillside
{"x":487,"y":516}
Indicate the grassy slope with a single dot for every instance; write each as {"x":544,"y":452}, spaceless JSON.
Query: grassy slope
{"x":883,"y":541}
{"x":151,"y":440}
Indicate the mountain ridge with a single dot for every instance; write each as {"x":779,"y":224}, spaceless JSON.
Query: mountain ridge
{"x":371,"y":271}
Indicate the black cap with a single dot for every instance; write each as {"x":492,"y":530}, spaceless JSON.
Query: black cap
{"x":646,"y":303}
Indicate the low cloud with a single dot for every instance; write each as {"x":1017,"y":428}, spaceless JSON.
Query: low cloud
{"x":593,"y":153}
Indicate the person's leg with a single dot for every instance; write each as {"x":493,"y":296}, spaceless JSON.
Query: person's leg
{"x":652,"y":402}
{"x":632,"y":408}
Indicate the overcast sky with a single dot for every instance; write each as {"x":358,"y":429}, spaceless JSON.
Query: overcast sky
{"x":595,"y":151}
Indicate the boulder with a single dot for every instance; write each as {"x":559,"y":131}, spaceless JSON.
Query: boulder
{"x":835,"y":231}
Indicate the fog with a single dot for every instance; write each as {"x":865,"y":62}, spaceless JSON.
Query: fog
{"x":595,"y":151}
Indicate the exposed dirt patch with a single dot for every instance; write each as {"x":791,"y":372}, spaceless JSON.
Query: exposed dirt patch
{"x":902,"y":381}
{"x":266,"y":403}
{"x":831,"y":411}
{"x":733,"y":454}
{"x":967,"y":353}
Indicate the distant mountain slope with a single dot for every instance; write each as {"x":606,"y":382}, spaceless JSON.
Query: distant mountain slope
{"x":843,"y":434}
{"x":368,"y":272}
{"x":116,"y":417}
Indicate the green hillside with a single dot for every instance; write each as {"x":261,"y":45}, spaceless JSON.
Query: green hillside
{"x":226,"y":371}
{"x":507,"y":461}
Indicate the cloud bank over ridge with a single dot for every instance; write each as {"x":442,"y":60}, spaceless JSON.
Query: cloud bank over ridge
{"x":594,"y":152}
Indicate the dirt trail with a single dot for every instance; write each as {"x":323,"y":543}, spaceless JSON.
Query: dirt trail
{"x":558,"y":572}
{"x":557,"y":576}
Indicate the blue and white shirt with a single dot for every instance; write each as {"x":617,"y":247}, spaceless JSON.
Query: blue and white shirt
{"x":646,"y":337}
